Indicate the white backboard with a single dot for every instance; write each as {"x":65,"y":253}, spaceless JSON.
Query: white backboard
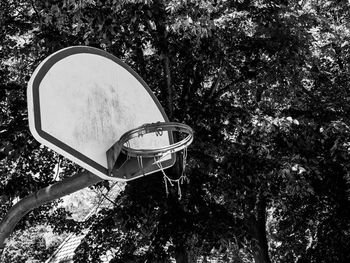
{"x":82,"y":99}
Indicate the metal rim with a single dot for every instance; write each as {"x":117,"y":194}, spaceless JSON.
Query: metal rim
{"x":157,"y":127}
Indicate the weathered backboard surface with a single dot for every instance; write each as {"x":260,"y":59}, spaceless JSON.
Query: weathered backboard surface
{"x":81,"y":100}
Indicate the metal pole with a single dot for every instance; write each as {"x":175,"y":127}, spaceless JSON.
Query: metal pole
{"x":42,"y":196}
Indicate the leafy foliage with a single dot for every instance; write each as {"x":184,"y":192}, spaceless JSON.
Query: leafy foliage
{"x":264,"y":84}
{"x":34,"y":245}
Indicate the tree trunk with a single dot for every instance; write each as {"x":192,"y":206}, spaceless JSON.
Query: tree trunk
{"x":181,"y":255}
{"x":169,"y":89}
{"x":184,"y":256}
{"x":163,"y":48}
{"x":260,"y":246}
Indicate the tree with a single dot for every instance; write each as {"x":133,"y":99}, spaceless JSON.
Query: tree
{"x":263,"y":84}
{"x":33,"y":245}
{"x":25,"y":166}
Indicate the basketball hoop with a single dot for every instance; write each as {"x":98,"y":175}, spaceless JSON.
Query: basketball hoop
{"x":158,"y":154}
{"x":157,"y":128}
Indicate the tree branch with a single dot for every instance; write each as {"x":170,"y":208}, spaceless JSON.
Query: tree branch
{"x":42,"y":196}
{"x":36,"y":12}
{"x":169,"y":89}
{"x":227,"y":88}
{"x":163,"y":47}
{"x":215,"y":85}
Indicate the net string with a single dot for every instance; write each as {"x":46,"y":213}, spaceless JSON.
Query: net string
{"x":159,"y":156}
{"x":171,"y":181}
{"x":184,"y":163}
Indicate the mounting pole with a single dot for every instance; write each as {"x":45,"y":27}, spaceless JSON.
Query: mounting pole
{"x":40,"y":197}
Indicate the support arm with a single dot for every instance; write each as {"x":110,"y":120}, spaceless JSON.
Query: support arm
{"x":42,"y":196}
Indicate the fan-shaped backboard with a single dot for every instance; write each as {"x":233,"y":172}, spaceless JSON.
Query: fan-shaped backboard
{"x":82,"y":99}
